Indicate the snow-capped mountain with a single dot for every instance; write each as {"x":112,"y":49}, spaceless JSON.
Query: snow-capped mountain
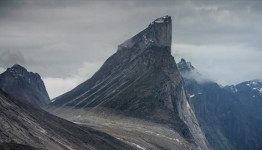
{"x":230,"y":116}
{"x":249,"y":89}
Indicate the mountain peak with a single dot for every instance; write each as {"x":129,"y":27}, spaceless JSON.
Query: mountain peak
{"x":158,"y":33}
{"x":141,"y":81}
{"x":20,"y":71}
{"x":17,"y":67}
{"x":184,"y":66}
{"x":20,"y":83}
{"x":165,"y":19}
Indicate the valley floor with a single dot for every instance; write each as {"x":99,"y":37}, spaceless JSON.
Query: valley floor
{"x":138,"y":133}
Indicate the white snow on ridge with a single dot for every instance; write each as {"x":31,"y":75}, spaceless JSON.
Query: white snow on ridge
{"x":233,"y":89}
{"x":254,"y":83}
{"x":260,"y":90}
{"x":159,"y":21}
{"x":192,"y":95}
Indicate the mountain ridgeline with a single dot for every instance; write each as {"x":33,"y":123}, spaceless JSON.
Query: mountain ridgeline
{"x":139,"y":99}
{"x":230,"y":116}
{"x":21,"y":84}
{"x":140,"y":80}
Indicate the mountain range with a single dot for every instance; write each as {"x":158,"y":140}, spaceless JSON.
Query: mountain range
{"x":230,"y":116}
{"x":140,"y":98}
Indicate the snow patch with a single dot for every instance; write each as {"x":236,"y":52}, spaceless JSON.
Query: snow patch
{"x":133,"y":144}
{"x":260,"y":90}
{"x":160,"y":20}
{"x":254,"y":83}
{"x":233,"y":89}
{"x":147,"y":40}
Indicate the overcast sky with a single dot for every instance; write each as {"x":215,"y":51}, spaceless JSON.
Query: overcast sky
{"x":66,"y":41}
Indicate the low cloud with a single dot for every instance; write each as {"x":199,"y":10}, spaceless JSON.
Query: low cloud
{"x":2,"y":70}
{"x":57,"y":86}
{"x":223,"y":64}
{"x":199,"y":78}
{"x":9,"y":58}
{"x":54,"y":37}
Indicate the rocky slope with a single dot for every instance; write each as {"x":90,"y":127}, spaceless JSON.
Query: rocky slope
{"x":141,"y":81}
{"x":230,"y":116}
{"x":24,"y":126}
{"x":15,"y":146}
{"x":20,"y":83}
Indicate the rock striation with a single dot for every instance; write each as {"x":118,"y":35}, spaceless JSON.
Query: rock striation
{"x":140,"y":80}
{"x":24,"y":126}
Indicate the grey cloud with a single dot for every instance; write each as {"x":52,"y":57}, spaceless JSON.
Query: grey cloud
{"x":9,"y":58}
{"x":56,"y":37}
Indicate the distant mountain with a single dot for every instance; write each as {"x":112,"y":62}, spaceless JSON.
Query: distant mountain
{"x":185,"y":67}
{"x":24,"y":126}
{"x":230,"y":116}
{"x":21,"y":84}
{"x":140,"y":80}
{"x":251,"y":90}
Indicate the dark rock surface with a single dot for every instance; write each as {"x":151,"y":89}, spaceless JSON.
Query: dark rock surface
{"x":23,"y":123}
{"x":140,"y":80}
{"x":15,"y":146}
{"x":21,"y":84}
{"x":230,"y":116}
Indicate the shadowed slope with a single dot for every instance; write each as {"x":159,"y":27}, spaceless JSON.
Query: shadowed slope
{"x":21,"y":84}
{"x":25,"y":124}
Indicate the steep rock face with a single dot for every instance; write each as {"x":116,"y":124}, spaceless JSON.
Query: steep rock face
{"x":227,"y":115}
{"x":20,"y":83}
{"x":23,"y":123}
{"x":140,"y":80}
